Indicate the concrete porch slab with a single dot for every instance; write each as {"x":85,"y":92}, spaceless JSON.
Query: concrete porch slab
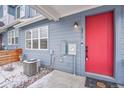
{"x":59,"y":79}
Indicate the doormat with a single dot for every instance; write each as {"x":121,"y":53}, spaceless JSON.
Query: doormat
{"x":95,"y":83}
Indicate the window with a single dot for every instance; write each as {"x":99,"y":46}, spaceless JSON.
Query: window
{"x":28,"y":39}
{"x":13,"y":37}
{"x":33,"y":12}
{"x":43,"y":37}
{"x":20,"y":11}
{"x":16,"y":36}
{"x":10,"y":37}
{"x":11,"y":10}
{"x":1,"y":11}
{"x":37,"y":38}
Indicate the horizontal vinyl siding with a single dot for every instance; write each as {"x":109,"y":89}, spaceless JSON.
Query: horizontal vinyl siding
{"x":64,"y":31}
{"x":58,"y":31}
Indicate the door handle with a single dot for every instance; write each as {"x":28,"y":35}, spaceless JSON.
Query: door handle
{"x":86,"y":51}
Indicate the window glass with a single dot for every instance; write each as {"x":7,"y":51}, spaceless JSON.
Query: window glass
{"x":35,"y":44}
{"x":13,"y":38}
{"x":9,"y":37}
{"x":33,"y":12}
{"x":18,"y":12}
{"x":43,"y":43}
{"x":28,"y":44}
{"x":28,"y":35}
{"x":43,"y":37}
{"x":1,"y":11}
{"x":16,"y":40}
{"x":35,"y":33}
{"x":11,"y":10}
{"x":17,"y":33}
{"x":43,"y":33}
{"x":10,"y":34}
{"x":22,"y":11}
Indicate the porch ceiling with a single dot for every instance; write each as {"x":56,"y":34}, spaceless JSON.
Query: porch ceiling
{"x":54,"y":12}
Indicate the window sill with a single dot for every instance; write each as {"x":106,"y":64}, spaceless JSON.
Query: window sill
{"x":12,"y":44}
{"x":37,"y":49}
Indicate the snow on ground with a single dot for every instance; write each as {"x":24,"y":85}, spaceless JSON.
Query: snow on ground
{"x":16,"y":78}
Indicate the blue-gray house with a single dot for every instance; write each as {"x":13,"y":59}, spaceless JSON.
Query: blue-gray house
{"x":84,"y":40}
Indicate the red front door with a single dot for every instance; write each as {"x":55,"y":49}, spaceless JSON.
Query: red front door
{"x":100,"y":44}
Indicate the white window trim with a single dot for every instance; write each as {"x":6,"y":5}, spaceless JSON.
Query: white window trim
{"x":35,"y":38}
{"x":12,"y":37}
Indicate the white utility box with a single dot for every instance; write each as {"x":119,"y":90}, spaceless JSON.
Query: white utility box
{"x":71,"y":49}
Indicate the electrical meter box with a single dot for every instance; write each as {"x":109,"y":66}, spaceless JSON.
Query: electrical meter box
{"x":71,"y":49}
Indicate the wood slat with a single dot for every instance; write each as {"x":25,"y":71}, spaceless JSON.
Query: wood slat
{"x":9,"y":56}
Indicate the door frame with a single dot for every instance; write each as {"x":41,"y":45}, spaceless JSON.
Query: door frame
{"x":91,"y":14}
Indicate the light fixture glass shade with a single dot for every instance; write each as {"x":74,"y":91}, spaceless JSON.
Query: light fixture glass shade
{"x":75,"y":25}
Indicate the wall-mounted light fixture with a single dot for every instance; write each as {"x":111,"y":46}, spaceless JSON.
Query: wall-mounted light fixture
{"x":76,"y":26}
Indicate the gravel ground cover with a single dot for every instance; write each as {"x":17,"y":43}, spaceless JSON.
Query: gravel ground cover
{"x":15,"y":77}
